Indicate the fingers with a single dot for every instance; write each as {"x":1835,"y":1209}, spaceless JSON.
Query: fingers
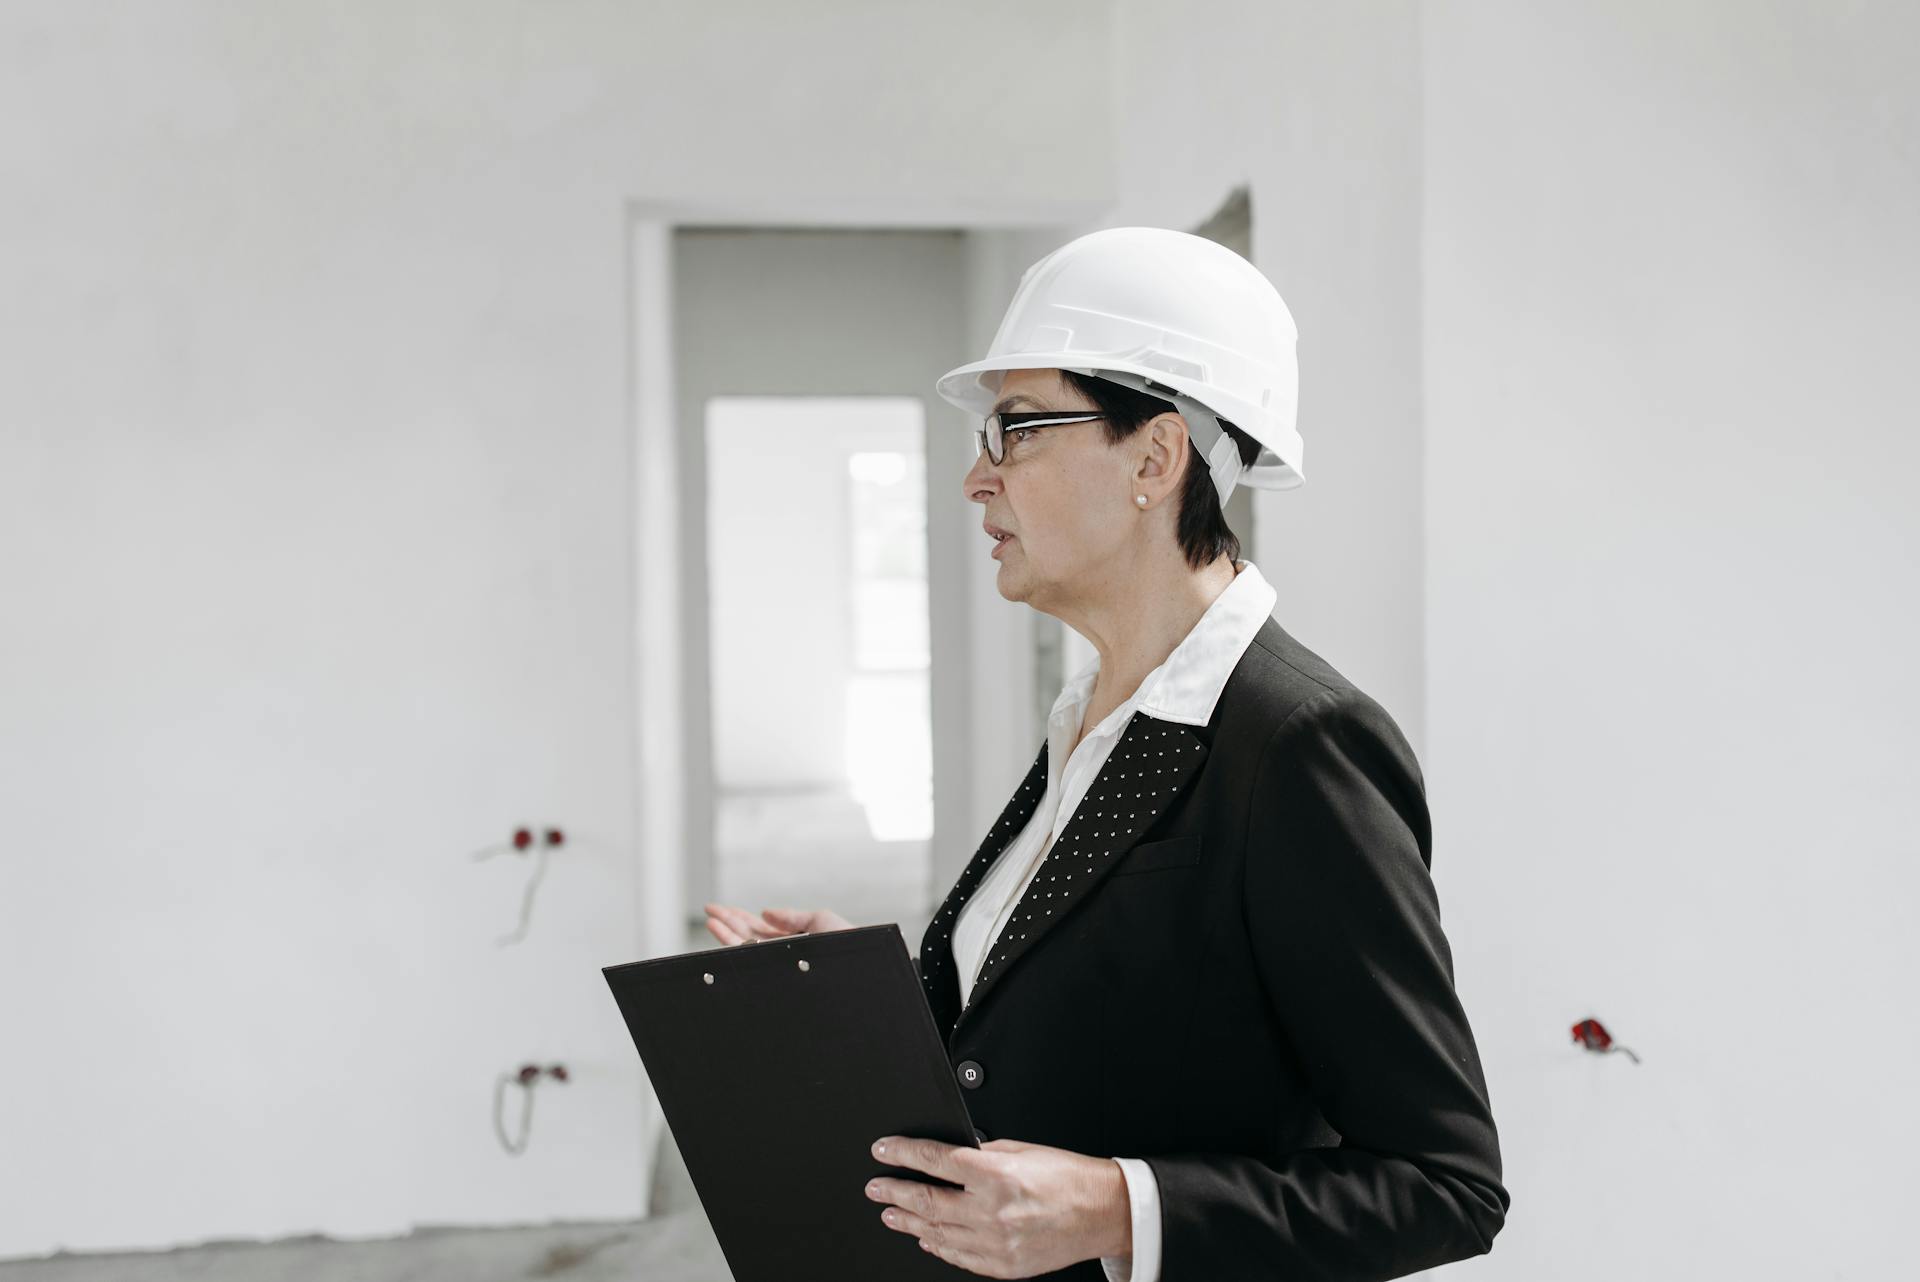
{"x":951,"y":1162}
{"x":816,"y":920}
{"x":733,"y":925}
{"x":736,"y":926}
{"x":927,"y":1204}
{"x":718,"y":928}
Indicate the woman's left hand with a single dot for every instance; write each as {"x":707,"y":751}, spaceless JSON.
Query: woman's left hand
{"x":1023,"y":1209}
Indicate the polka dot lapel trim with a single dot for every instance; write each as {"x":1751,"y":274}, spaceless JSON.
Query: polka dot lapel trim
{"x":937,"y":972}
{"x":1148,"y":767}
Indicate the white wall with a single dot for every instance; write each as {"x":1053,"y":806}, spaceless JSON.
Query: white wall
{"x":1670,"y":327}
{"x":316,"y":516}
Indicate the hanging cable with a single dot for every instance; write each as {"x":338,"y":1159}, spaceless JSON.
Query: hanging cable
{"x":526,"y":1079}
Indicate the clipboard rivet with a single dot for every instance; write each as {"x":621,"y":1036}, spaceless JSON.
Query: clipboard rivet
{"x":803,"y":964}
{"x":708,"y":976}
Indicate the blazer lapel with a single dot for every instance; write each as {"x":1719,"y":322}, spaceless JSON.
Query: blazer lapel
{"x":1147,"y":769}
{"x":938,"y":972}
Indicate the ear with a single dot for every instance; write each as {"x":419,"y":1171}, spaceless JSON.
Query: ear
{"x":1167,"y":446}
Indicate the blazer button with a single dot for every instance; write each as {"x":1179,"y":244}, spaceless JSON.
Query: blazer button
{"x":971,"y":1074}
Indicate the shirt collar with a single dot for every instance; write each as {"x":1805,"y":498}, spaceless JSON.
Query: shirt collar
{"x":1187,"y":684}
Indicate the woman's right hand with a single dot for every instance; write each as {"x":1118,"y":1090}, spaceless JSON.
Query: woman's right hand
{"x":732,"y":925}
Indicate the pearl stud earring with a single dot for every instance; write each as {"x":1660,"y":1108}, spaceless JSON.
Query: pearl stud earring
{"x":1141,"y":499}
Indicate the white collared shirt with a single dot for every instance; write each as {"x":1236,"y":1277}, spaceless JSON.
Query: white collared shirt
{"x":1184,"y":688}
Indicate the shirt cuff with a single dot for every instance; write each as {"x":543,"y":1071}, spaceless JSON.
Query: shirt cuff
{"x":1143,"y":1206}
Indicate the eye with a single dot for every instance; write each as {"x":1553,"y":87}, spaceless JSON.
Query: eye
{"x":1019,"y":434}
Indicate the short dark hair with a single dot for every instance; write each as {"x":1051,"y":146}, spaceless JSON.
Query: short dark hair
{"x":1200,"y":525}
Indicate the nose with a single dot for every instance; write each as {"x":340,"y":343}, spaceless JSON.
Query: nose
{"x":982,"y":479}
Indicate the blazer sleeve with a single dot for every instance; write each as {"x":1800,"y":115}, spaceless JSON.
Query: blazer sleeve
{"x":1345,"y":931}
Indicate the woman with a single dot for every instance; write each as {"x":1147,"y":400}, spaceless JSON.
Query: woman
{"x":1197,"y":966}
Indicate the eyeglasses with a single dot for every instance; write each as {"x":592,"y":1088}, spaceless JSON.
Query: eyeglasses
{"x":993,"y":436}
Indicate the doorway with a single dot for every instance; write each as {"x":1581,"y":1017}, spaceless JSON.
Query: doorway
{"x":824,"y":735}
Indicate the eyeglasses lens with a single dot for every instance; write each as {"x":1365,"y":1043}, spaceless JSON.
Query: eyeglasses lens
{"x":991,"y":438}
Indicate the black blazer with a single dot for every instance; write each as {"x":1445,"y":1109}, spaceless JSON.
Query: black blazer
{"x":1231,"y":966}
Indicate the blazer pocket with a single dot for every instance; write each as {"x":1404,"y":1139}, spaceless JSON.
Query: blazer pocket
{"x":1154,"y":856}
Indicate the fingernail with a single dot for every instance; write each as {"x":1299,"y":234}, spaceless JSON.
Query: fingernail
{"x":879,"y":1148}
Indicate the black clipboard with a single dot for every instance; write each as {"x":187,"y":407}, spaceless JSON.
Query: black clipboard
{"x":777,"y":1064}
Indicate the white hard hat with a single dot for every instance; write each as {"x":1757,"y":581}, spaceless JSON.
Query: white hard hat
{"x":1165,"y":312}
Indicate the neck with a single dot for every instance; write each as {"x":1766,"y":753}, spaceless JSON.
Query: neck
{"x":1135,"y":615}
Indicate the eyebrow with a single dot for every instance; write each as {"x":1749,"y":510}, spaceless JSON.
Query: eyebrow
{"x":1007,"y":403}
